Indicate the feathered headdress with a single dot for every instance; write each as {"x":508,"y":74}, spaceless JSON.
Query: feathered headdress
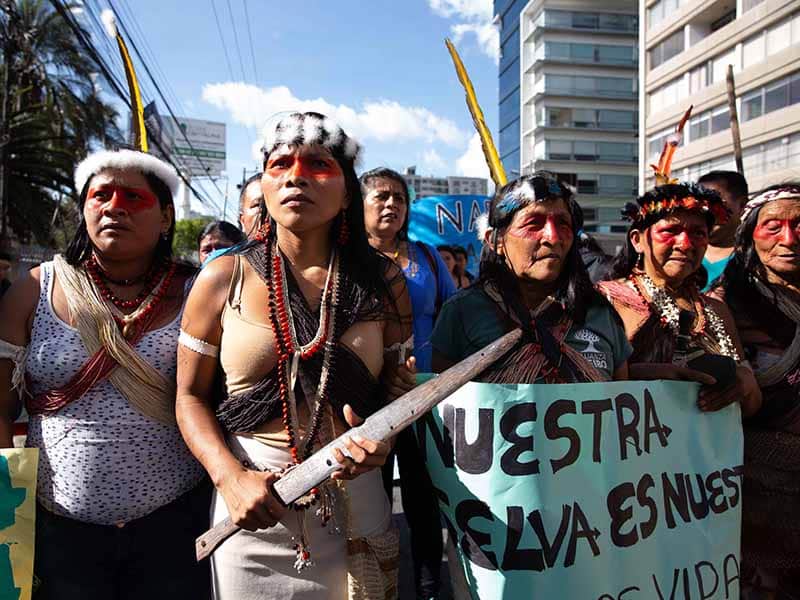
{"x":496,"y":169}
{"x":663,"y":199}
{"x":137,"y":107}
{"x":137,"y":159}
{"x":310,"y":128}
{"x":664,"y":167}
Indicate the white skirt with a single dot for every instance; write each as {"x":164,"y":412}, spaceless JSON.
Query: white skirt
{"x":260,"y":564}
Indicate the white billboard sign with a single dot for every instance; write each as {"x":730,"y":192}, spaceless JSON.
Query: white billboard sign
{"x":199,"y":146}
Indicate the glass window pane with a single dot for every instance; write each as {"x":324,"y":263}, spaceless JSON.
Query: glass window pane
{"x":559,"y":150}
{"x":779,"y":37}
{"x":776,"y":97}
{"x":558,"y":82}
{"x":794,"y":91}
{"x":583,"y":117}
{"x":583,"y":52}
{"x":509,"y":50}
{"x":509,"y":137}
{"x":752,"y":106}
{"x":557,"y":50}
{"x":585,"y":20}
{"x":558,"y":18}
{"x":509,"y":108}
{"x":509,"y":79}
{"x":754,"y":49}
{"x":720,"y":120}
{"x":585,"y":151}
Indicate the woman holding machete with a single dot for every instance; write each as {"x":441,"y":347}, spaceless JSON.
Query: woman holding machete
{"x":305,"y":322}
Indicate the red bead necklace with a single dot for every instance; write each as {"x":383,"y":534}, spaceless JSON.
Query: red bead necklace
{"x":155,"y":288}
{"x":151,"y":279}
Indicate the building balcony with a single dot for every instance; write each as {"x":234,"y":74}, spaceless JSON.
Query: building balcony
{"x":588,"y":22}
{"x":584,"y":93}
{"x":542,"y":55}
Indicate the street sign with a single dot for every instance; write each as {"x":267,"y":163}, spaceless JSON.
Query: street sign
{"x":199,"y":146}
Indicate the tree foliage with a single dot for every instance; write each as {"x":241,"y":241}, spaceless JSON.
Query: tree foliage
{"x":184,"y":244}
{"x":54,"y":116}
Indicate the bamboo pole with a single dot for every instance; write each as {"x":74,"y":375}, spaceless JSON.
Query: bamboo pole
{"x":737,"y":138}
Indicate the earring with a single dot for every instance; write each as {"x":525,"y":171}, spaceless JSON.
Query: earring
{"x":344,"y":230}
{"x":165,"y":235}
{"x":639,"y":260}
{"x":262,"y":234}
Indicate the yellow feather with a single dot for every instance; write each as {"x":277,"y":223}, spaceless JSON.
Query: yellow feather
{"x":137,"y":108}
{"x":496,"y":169}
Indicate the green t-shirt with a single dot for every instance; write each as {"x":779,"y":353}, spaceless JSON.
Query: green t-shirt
{"x":469,"y":321}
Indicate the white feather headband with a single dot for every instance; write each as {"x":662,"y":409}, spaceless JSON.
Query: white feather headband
{"x":310,"y":128}
{"x":788,"y":192}
{"x":126,"y":160}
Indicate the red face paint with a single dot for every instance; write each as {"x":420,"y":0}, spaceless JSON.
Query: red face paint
{"x":132,"y":200}
{"x":785,"y":231}
{"x":681,"y":236}
{"x":305,"y":166}
{"x":550,"y":227}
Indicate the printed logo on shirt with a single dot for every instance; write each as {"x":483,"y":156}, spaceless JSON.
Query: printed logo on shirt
{"x":594,"y":355}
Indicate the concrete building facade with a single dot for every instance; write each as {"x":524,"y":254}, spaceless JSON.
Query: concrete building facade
{"x":579,"y":103}
{"x":443,"y":186}
{"x":686,"y":49}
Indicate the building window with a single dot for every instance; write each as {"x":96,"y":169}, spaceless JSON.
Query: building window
{"x":777,"y":95}
{"x":730,"y":17}
{"x":670,"y":47}
{"x":720,"y":120}
{"x":779,"y":37}
{"x":509,"y":108}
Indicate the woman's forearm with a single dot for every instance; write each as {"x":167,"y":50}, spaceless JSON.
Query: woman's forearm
{"x":205,"y":439}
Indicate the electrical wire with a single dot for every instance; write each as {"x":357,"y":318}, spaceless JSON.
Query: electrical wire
{"x":81,"y":35}
{"x":222,"y":40}
{"x":236,"y":40}
{"x":250,"y":38}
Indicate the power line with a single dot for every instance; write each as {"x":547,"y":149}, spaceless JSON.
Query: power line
{"x":163,"y":98}
{"x":222,"y":40}
{"x":250,"y":38}
{"x":87,"y":44}
{"x":236,"y":40}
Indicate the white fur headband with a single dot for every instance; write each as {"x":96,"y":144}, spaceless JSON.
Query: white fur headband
{"x":126,"y":160}
{"x":306,"y":128}
{"x":783,"y":193}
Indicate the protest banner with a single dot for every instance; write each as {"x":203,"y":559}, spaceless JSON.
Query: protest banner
{"x":17,"y":521}
{"x":449,"y":220}
{"x":605,"y":491}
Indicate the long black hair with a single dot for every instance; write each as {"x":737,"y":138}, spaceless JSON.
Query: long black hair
{"x":743,"y":268}
{"x":80,"y":248}
{"x":367,"y":180}
{"x":574,"y":289}
{"x":226,"y":230}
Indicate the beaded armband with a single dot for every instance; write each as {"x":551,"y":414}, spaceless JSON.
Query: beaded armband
{"x":199,"y":346}
{"x":403,"y":349}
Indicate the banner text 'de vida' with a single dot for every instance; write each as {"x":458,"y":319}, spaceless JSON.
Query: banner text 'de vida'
{"x":594,"y":491}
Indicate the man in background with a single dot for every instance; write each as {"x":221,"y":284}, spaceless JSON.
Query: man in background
{"x":252,"y":208}
{"x":732,"y":187}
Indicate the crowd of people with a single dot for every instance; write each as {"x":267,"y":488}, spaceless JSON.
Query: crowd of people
{"x":165,"y":399}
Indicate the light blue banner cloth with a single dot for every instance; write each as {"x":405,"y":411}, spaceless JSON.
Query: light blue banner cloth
{"x":602,"y":491}
{"x":450,"y":220}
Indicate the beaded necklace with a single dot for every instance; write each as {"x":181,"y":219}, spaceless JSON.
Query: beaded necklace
{"x":290,"y":352}
{"x":159,"y":280}
{"x":669,"y":312}
{"x":100,"y":277}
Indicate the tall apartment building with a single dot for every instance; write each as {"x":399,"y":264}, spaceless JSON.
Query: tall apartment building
{"x":579,"y":103}
{"x":687,"y":47}
{"x":441,"y":186}
{"x":507,"y":15}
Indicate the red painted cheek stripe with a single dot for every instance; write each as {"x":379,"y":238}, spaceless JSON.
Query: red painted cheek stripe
{"x":762,"y":232}
{"x":132,"y":200}
{"x":301,"y":167}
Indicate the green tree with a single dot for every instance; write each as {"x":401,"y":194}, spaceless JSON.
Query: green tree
{"x":51,"y":115}
{"x":184,"y":245}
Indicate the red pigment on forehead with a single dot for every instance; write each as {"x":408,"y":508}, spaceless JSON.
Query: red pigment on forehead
{"x":312,"y":167}
{"x":776,"y":229}
{"x":131,"y":199}
{"x":535,"y":227}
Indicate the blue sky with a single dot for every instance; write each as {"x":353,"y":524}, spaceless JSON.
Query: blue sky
{"x":380,"y":66}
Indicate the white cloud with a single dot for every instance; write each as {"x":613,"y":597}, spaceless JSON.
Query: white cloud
{"x":475,"y":18}
{"x":465,"y":9}
{"x":472,"y":163}
{"x":433,"y":163}
{"x":380,"y":120}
